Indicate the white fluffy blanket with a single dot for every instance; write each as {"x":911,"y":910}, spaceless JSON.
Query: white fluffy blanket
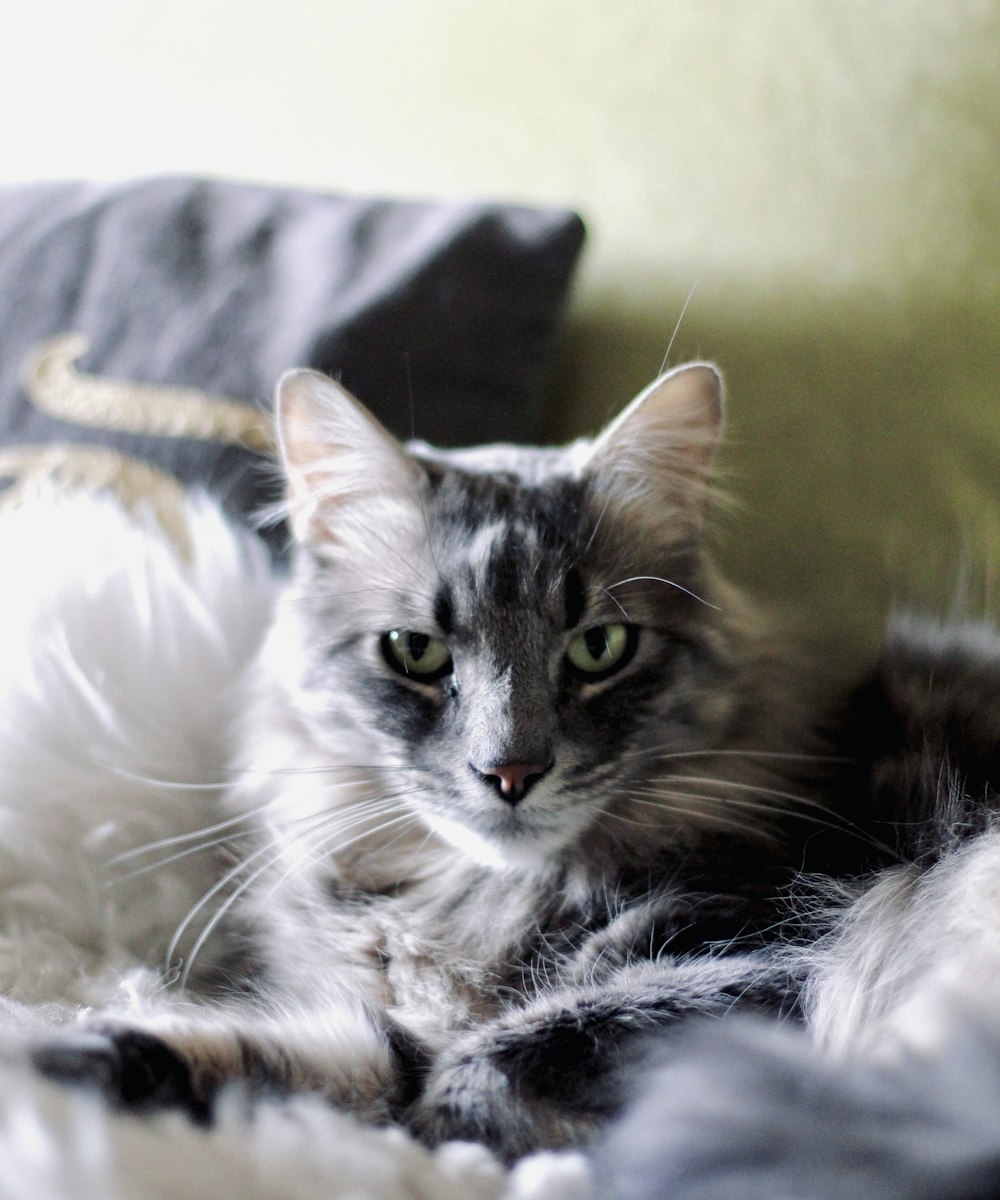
{"x":121,"y":645}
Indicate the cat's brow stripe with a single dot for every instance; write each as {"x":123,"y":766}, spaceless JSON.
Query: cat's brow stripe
{"x":444,"y":609}
{"x":575,"y":598}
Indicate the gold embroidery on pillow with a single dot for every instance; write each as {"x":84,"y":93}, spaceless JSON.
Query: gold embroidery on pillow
{"x":59,"y":390}
{"x":60,"y":467}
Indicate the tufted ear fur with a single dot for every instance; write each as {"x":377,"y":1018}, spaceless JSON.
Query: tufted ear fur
{"x":336,"y":455}
{"x":656,"y":457}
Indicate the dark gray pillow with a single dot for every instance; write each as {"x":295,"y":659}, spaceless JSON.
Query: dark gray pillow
{"x":439,"y":316}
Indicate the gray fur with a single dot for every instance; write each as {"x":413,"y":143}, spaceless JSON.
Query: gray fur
{"x":753,"y":1112}
{"x":422,"y":940}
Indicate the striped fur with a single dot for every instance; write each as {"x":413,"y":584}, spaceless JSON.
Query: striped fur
{"x":463,"y":900}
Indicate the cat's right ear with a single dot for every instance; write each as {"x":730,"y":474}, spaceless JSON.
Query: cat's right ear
{"x":336,"y":455}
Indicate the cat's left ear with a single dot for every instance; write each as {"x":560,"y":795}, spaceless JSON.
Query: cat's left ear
{"x":659,"y":452}
{"x":336,"y":456}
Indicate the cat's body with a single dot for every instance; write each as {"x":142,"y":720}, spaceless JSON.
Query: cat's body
{"x":519,"y":782}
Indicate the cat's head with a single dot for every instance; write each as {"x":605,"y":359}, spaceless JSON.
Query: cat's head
{"x":518,"y":634}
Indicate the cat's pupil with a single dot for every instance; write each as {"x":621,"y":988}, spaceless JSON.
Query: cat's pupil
{"x":596,"y":641}
{"x":417,"y":644}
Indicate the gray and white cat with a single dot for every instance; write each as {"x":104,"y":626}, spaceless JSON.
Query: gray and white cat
{"x":527,"y":783}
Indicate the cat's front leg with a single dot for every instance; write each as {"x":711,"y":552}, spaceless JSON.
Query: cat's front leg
{"x":356,"y":1060}
{"x":130,"y":1067}
{"x":549,"y":1074}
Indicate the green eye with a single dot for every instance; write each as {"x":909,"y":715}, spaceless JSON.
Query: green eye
{"x":602,"y":650}
{"x":416,"y":654}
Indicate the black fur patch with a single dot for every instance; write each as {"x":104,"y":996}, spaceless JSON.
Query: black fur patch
{"x":131,"y":1069}
{"x":444,"y":610}
{"x":575,"y":598}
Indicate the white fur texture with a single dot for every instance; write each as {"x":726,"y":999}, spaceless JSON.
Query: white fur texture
{"x":119,"y":661}
{"x":914,"y":950}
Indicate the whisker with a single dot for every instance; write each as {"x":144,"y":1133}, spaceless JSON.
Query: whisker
{"x":696,"y":812}
{"x":226,"y":839}
{"x":616,"y":816}
{"x":219,"y":886}
{"x":662,"y":754}
{"x":650,"y":797}
{"x":615,"y":600}
{"x":669,"y":582}
{"x":222,"y":883}
{"x":830,"y":819}
{"x":229,"y":822}
{"x":728,"y":784}
{"x":319,"y":769}
{"x":223,"y":840}
{"x":228,"y":903}
{"x":321,"y":849}
{"x":336,"y":820}
{"x":167,"y":784}
{"x":677,"y":326}
{"x":180,"y":838}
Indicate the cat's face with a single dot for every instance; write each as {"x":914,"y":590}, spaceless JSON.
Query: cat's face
{"x":514,"y":636}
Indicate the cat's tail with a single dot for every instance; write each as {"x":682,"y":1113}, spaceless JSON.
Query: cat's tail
{"x":753,"y":1111}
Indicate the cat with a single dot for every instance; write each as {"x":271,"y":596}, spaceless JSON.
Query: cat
{"x":519,"y":783}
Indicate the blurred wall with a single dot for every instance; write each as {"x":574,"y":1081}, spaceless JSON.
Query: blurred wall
{"x":822,"y":178}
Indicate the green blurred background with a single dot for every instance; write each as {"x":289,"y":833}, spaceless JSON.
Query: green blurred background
{"x":824,"y":174}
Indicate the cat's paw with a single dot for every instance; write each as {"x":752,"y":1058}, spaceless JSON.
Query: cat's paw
{"x":130,"y":1068}
{"x":469,"y":1100}
{"x":494,"y":1088}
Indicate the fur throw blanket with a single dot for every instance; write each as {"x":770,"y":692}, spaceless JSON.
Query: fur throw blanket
{"x":121,"y":642}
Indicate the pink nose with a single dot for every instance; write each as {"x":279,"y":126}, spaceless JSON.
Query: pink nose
{"x":513,"y":779}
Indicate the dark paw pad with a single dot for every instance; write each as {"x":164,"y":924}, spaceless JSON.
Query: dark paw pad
{"x":132,"y":1069}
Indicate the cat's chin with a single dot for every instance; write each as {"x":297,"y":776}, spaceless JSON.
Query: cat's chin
{"x":507,"y":853}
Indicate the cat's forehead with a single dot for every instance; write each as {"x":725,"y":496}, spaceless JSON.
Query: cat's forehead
{"x":500,"y":513}
{"x":506,"y":526}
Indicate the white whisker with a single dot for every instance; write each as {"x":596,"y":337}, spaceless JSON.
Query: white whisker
{"x":696,"y":812}
{"x":669,"y":583}
{"x":322,"y":848}
{"x":757,"y":789}
{"x":614,"y":600}
{"x":160,"y":863}
{"x":245,"y":884}
{"x":168,"y":784}
{"x":680,"y":319}
{"x":180,"y":838}
{"x":336,"y":821}
{"x":664,"y":754}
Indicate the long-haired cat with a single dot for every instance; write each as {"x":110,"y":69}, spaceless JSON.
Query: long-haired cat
{"x":517,"y":782}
